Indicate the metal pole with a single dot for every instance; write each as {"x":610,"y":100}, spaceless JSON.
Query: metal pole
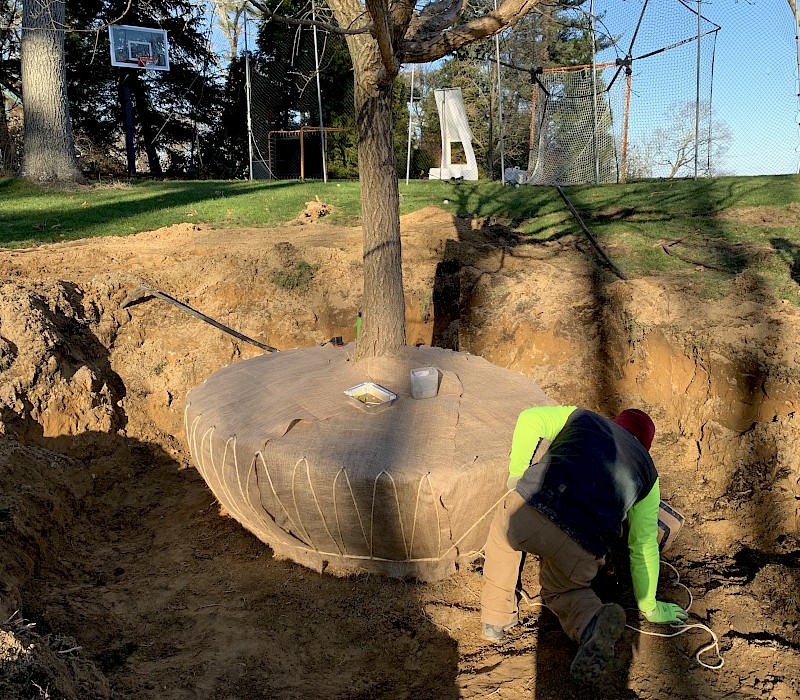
{"x":697,"y":93}
{"x":247,"y":93}
{"x":319,"y":95}
{"x":797,"y":38}
{"x":595,"y":126}
{"x":127,"y":108}
{"x":628,"y":72}
{"x":410,"y":114}
{"x":500,"y":108}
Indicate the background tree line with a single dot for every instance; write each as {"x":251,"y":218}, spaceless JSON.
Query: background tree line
{"x":191,"y":121}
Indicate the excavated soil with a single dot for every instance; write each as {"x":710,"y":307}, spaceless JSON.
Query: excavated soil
{"x":120,"y":577}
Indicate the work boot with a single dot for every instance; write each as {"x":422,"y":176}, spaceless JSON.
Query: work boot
{"x":597,"y":644}
{"x":495,"y":633}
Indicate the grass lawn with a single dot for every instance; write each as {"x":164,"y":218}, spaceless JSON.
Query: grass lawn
{"x":713,"y":220}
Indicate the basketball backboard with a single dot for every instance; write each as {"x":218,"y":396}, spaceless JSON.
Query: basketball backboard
{"x":138,"y":47}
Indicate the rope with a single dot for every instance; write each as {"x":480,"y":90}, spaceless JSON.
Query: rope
{"x":399,"y":515}
{"x":319,"y":507}
{"x":355,"y":505}
{"x":682,"y":629}
{"x":679,"y":629}
{"x":297,"y":522}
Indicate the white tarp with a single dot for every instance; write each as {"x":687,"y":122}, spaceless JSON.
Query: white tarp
{"x":455,"y":129}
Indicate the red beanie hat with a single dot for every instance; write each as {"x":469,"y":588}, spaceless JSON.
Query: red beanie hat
{"x":639,"y":424}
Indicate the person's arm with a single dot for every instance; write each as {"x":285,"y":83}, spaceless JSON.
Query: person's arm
{"x":646,"y":558}
{"x":533,"y":424}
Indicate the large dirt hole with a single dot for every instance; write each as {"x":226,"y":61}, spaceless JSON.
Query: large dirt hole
{"x":139,"y":587}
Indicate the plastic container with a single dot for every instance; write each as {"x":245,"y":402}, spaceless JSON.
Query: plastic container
{"x":669,"y":524}
{"x":424,"y":382}
{"x":370,"y":397}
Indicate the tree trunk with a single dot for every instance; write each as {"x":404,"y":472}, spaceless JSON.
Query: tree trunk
{"x":6,"y":147}
{"x":48,"y":145}
{"x":147,"y":124}
{"x":384,"y":326}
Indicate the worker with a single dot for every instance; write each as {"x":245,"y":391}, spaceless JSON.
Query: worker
{"x":568,"y":508}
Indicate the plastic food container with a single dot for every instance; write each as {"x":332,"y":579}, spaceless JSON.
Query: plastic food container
{"x":424,"y":382}
{"x":370,"y":397}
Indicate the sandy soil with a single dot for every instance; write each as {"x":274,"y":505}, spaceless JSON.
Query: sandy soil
{"x":121,"y":578}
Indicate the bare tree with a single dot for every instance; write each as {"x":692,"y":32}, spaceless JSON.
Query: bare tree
{"x":48,"y":145}
{"x":382,"y":35}
{"x":673,"y":147}
{"x":229,"y":15}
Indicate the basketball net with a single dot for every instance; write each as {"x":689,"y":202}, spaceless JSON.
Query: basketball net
{"x":146,"y":61}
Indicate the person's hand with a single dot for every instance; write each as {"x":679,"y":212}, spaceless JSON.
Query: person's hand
{"x":667,"y":614}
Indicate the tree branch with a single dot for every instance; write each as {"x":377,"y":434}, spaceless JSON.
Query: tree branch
{"x":435,"y":18}
{"x":327,"y":26}
{"x":402,"y":15}
{"x":382,"y":31}
{"x":424,"y":46}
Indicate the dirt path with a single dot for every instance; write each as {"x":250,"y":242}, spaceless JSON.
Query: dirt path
{"x":139,"y":586}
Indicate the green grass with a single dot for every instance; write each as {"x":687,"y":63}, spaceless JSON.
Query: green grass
{"x":719,"y":239}
{"x":30,"y":214}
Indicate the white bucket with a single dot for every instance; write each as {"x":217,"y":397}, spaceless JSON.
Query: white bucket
{"x":424,"y":382}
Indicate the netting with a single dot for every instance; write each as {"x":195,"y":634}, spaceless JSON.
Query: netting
{"x":575,"y":137}
{"x":668,"y":96}
{"x":636,"y":115}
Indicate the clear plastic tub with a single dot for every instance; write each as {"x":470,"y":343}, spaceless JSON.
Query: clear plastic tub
{"x":370,"y":397}
{"x":424,"y":382}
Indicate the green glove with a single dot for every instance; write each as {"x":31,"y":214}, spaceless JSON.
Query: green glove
{"x":667,"y":614}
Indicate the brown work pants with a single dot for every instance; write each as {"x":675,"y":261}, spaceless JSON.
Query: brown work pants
{"x":565,"y":570}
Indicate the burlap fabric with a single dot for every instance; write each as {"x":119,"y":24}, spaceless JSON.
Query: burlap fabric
{"x":408,"y":491}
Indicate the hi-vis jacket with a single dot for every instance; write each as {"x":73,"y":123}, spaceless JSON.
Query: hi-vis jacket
{"x":594,"y":476}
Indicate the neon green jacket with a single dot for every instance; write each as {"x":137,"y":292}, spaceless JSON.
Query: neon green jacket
{"x":542,"y":423}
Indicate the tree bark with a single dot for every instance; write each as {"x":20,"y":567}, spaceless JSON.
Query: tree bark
{"x":383,"y":328}
{"x":48,"y":145}
{"x":6,"y":153}
{"x":147,"y":125}
{"x":395,"y":35}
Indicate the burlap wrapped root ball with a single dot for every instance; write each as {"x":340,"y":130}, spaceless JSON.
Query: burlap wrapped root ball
{"x":407,"y":490}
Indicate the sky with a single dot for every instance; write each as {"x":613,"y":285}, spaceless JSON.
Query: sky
{"x":754,"y":90}
{"x":754,"y":57}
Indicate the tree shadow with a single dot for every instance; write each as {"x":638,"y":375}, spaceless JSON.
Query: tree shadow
{"x":461,"y":306}
{"x":791,"y":253}
{"x":48,"y":224}
{"x":166,"y":596}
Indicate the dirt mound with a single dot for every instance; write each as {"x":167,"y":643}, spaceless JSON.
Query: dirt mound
{"x":111,"y":541}
{"x":315,"y":211}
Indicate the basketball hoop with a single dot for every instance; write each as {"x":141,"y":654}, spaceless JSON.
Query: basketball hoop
{"x":146,"y":61}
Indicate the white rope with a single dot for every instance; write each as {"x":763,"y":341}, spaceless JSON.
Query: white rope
{"x":296,"y":507}
{"x":426,"y":478}
{"x":679,"y":629}
{"x":275,"y":493}
{"x":355,"y":506}
{"x":319,"y":507}
{"x":297,"y":521}
{"x":682,"y":629}
{"x":399,"y":514}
